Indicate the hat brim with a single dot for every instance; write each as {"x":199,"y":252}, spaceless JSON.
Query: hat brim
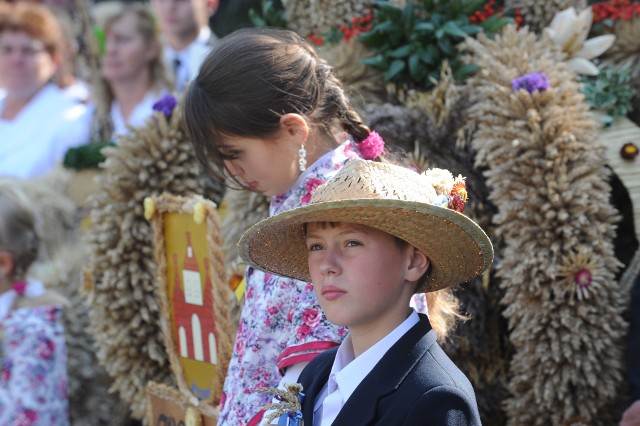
{"x":456,"y":246}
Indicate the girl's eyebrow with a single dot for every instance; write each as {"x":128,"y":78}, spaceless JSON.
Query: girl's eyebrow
{"x":346,"y":231}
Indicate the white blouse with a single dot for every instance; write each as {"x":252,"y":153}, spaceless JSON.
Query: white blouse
{"x":35,"y":141}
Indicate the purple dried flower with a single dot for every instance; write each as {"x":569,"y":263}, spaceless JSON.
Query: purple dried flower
{"x":531,"y":82}
{"x":165,"y":105}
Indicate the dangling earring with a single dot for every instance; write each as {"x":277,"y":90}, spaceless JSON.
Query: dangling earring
{"x":302,"y":161}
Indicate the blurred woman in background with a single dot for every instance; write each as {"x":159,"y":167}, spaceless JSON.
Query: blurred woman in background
{"x":38,"y":121}
{"x":133,"y":76}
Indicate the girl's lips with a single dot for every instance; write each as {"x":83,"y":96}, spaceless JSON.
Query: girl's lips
{"x":331,"y":292}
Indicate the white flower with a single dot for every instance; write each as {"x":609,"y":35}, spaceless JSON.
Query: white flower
{"x":441,"y":180}
{"x":569,"y":31}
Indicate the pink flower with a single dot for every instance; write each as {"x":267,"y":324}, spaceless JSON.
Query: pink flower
{"x":46,"y":349}
{"x":311,"y":317}
{"x":272,"y":310}
{"x":583,"y":278}
{"x":20,"y":287}
{"x":303,"y":331}
{"x":372,"y":147}
{"x":290,"y":315}
{"x":313,"y":183}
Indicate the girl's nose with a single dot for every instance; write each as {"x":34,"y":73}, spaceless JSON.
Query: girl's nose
{"x":330,"y":264}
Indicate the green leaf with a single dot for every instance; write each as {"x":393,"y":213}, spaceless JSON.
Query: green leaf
{"x":427,"y":57}
{"x":452,"y":29}
{"x":401,"y":52}
{"x":394,"y":70}
{"x":470,"y":6}
{"x":378,"y":62}
{"x":414,"y":66}
{"x":446,"y":47}
{"x":464,"y":71}
{"x":495,"y":22}
{"x":424,"y":26}
{"x":390,"y":10}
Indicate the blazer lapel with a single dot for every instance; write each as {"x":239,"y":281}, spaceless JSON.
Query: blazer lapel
{"x":318,"y":379}
{"x":387,"y":375}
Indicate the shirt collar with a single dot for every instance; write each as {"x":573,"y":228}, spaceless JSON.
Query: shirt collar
{"x":203,"y":38}
{"x":348,"y":372}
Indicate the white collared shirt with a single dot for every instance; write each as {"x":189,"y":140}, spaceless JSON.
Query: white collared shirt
{"x":137,"y":117}
{"x":348,"y":372}
{"x":189,"y":58}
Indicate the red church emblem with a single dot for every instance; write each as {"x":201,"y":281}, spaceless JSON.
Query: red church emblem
{"x":194,"y":325}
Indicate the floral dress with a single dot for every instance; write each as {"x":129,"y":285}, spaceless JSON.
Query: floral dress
{"x":33,"y":378}
{"x":281,"y":322}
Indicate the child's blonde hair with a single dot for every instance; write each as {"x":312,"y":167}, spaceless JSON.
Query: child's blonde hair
{"x":444,"y":312}
{"x":18,"y":233}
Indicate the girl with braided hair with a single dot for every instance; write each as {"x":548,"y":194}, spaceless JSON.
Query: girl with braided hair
{"x":268,"y":114}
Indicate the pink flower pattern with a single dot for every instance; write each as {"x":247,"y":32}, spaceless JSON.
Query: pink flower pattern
{"x":290,"y":306}
{"x":33,"y":379}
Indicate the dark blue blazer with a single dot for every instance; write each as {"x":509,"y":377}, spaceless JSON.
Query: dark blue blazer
{"x":415,"y":383}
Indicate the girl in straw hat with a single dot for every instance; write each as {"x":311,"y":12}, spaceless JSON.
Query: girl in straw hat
{"x":268,"y":112}
{"x":369,"y":239}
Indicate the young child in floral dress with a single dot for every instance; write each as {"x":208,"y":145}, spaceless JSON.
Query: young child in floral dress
{"x":33,"y":371}
{"x":268,"y":112}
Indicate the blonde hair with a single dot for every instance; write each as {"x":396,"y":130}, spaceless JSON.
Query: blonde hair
{"x":18,"y":233}
{"x":444,"y":312}
{"x":105,"y":14}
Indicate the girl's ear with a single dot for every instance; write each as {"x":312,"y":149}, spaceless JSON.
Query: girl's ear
{"x":6,"y":263}
{"x":295,"y":125}
{"x":418,"y":264}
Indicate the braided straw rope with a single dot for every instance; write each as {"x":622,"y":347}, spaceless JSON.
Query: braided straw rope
{"x":221,"y":291}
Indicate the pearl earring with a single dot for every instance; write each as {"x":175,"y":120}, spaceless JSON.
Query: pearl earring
{"x":302,"y":161}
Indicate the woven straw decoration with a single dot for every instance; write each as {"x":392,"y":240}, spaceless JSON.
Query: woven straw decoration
{"x":124,"y":319}
{"x":539,"y":13}
{"x":319,"y":16}
{"x":548,"y":180}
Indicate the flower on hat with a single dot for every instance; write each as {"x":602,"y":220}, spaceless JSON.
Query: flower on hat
{"x":441,"y":180}
{"x":458,"y":196}
{"x":372,"y":147}
{"x":531,"y":82}
{"x":165,"y":105}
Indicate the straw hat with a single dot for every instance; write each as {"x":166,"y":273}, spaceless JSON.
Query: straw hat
{"x":387,"y":197}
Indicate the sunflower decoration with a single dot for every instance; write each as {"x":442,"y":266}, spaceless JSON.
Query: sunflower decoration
{"x":581,"y":273}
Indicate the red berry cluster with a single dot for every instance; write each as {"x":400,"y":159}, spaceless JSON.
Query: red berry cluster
{"x":359,"y":24}
{"x":485,"y":13}
{"x":489,"y":10}
{"x":615,"y":10}
{"x":315,"y":39}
